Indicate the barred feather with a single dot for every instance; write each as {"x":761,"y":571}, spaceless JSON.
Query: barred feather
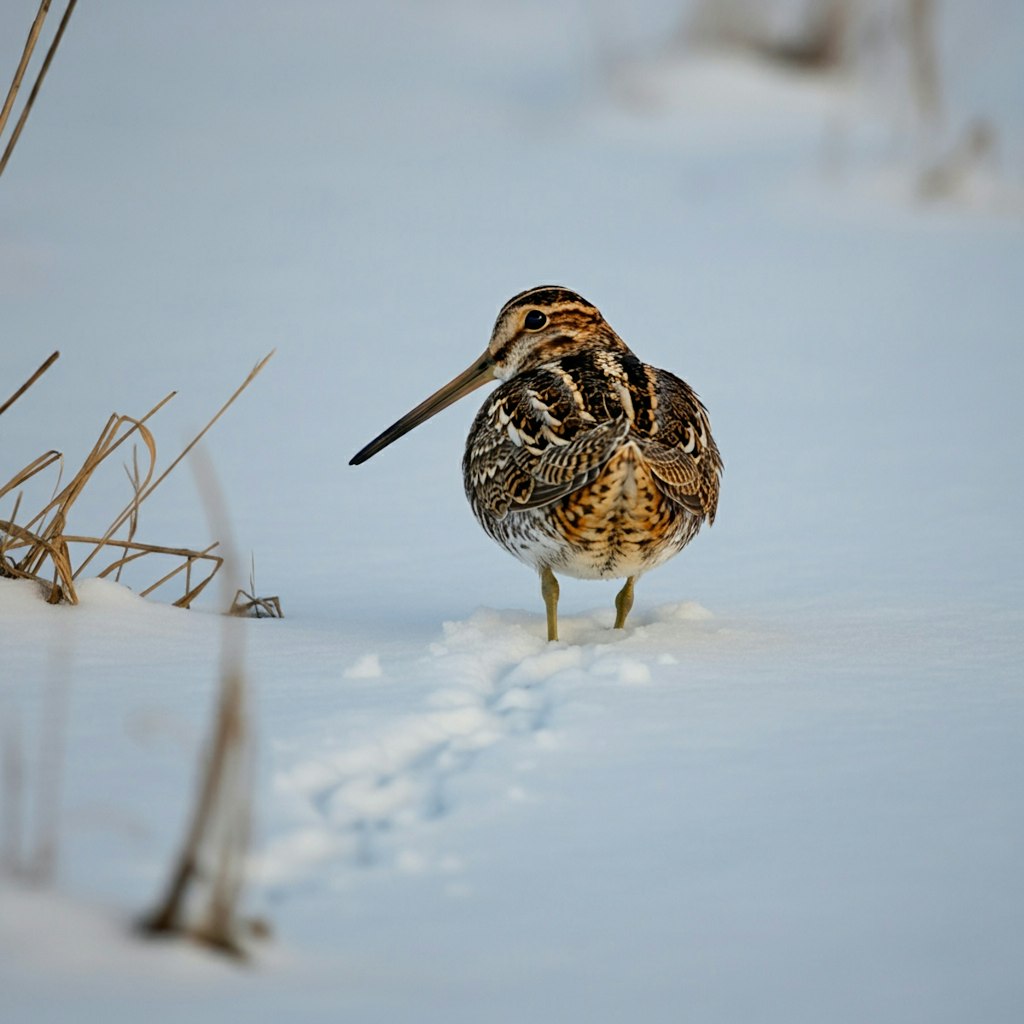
{"x":591,"y":462}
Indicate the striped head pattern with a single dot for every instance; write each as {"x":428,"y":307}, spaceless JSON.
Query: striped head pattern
{"x":532,"y":328}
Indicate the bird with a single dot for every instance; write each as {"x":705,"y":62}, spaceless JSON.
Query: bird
{"x":584,"y":461}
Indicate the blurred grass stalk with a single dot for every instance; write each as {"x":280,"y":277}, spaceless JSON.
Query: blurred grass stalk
{"x":210,"y":867}
{"x":31,"y":799}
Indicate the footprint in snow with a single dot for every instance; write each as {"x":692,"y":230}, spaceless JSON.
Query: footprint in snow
{"x":497,"y":677}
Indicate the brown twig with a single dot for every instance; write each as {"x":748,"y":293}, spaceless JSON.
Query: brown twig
{"x":247,"y":605}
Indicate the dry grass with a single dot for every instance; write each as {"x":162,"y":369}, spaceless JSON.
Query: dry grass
{"x":42,"y":549}
{"x":26,"y":56}
{"x":203,"y":896}
{"x":33,"y":36}
{"x":247,"y":605}
{"x":47,"y":363}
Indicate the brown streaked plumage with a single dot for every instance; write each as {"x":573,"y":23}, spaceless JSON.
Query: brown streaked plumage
{"x":584,"y":461}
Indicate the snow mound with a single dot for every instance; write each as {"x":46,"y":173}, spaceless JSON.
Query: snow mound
{"x":366,"y":667}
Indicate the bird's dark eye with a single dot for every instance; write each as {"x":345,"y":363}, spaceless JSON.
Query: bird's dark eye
{"x":535,"y":320}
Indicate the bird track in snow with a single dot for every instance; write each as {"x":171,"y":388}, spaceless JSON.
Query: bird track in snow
{"x":491,"y":678}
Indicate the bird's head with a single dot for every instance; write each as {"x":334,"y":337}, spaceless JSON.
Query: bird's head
{"x":532,"y":328}
{"x":542,"y":324}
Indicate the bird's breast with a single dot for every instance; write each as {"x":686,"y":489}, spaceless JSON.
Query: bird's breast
{"x":619,"y":520}
{"x":618,"y":525}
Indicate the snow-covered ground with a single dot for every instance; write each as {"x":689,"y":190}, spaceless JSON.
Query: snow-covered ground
{"x":791,"y":791}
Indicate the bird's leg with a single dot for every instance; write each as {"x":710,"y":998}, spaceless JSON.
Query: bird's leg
{"x":549,"y":588}
{"x":623,"y":602}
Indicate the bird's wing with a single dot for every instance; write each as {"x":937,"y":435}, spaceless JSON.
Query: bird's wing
{"x":563,"y":469}
{"x":532,"y":444}
{"x":681,"y":452}
{"x":677,"y":475}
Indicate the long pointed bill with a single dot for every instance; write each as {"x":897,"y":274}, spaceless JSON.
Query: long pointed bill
{"x":469,"y":380}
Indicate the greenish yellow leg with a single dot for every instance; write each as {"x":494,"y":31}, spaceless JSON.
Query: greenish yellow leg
{"x":549,"y":588}
{"x":623,"y":602}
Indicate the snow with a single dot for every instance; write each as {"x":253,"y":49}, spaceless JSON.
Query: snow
{"x":791,"y":789}
{"x":366,"y":667}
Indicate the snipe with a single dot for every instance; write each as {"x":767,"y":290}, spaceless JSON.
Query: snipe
{"x":585,"y":461}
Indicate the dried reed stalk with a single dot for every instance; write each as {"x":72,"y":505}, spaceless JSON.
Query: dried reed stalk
{"x":146,"y":491}
{"x":47,"y":60}
{"x":26,"y":474}
{"x":40,"y":548}
{"x":247,"y":605}
{"x":35,"y":376}
{"x":26,"y":56}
